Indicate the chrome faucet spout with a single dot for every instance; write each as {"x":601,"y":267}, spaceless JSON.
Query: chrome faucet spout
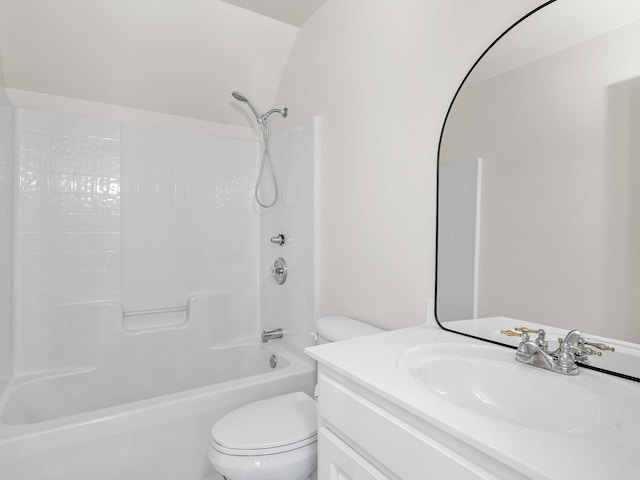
{"x":574,"y":337}
{"x":533,"y":354}
{"x":271,"y":334}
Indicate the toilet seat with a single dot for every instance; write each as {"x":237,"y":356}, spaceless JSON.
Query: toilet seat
{"x":267,"y":427}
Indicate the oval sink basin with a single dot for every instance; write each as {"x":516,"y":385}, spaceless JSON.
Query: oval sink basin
{"x":488,"y":381}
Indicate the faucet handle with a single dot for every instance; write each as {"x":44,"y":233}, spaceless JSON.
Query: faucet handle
{"x":581,"y":348}
{"x":526,"y":330}
{"x":587,"y":350}
{"x":511,"y":333}
{"x":600,"y":346}
{"x":541,"y":340}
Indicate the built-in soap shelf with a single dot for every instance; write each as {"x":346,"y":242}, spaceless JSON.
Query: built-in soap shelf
{"x":99,"y":333}
{"x":138,"y":321}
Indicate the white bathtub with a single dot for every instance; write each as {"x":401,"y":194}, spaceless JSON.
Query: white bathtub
{"x":142,"y":422}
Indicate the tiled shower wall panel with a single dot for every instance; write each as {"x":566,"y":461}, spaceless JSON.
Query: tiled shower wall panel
{"x":223,"y":231}
{"x":6,"y":238}
{"x":155,"y":188}
{"x":68,"y":240}
{"x":189,"y":225}
{"x":110,"y":212}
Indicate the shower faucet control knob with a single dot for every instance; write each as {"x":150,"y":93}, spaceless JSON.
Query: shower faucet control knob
{"x":280,"y":239}
{"x":279,"y":271}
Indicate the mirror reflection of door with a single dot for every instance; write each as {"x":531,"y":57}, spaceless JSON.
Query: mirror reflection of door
{"x":458,"y":239}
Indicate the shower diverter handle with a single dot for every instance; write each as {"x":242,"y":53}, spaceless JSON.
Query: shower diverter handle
{"x":279,"y":239}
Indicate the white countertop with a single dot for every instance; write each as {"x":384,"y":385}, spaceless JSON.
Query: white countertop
{"x":372,"y":363}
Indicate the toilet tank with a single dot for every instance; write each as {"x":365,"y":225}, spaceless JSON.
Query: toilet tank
{"x":336,"y":327}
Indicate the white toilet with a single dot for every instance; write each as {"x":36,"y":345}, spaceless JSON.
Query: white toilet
{"x":276,"y":438}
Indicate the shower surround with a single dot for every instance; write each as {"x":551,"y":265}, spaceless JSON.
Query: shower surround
{"x":117,"y":213}
{"x":135,"y":246}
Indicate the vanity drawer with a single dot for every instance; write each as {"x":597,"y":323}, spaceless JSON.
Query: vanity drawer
{"x":396,"y":446}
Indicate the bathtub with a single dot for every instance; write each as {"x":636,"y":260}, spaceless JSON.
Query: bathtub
{"x":145,"y":422}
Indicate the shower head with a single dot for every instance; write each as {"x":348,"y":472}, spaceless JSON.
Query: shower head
{"x":261,"y":118}
{"x":239,"y":96}
{"x":242,"y":98}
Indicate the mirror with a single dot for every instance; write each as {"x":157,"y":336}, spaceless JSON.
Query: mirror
{"x":539,"y":183}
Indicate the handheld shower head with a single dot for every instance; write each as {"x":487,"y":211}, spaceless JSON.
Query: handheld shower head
{"x":266,"y":156}
{"x":242,"y":98}
{"x":261,"y":118}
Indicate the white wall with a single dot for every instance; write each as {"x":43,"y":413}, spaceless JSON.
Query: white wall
{"x":381,"y":75}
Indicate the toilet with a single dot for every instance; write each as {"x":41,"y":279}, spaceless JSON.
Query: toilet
{"x":276,"y":438}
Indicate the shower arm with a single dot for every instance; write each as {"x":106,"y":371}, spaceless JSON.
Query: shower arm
{"x":263,"y":118}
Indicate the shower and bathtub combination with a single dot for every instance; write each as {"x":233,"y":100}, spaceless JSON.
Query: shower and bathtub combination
{"x":142,"y":282}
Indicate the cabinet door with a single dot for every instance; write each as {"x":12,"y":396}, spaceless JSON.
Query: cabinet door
{"x":338,"y":461}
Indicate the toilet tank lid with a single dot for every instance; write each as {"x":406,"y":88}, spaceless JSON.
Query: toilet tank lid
{"x":337,"y":327}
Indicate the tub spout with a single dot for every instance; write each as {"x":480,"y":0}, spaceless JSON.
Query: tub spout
{"x":271,"y":334}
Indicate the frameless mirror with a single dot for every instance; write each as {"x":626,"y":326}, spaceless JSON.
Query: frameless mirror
{"x":539,"y":183}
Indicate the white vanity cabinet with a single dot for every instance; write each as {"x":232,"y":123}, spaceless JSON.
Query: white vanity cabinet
{"x":362,"y":436}
{"x":421,"y":403}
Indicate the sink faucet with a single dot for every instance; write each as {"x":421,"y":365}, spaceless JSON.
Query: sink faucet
{"x":581,"y":351}
{"x":572,"y":350}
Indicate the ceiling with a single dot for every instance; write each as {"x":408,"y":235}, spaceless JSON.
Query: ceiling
{"x":293,"y":12}
{"x":179,"y":57}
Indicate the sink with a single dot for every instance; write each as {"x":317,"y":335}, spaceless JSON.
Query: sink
{"x":488,"y":381}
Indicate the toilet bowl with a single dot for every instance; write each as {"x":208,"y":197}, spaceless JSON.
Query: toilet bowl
{"x":271,"y":439}
{"x":276,"y":438}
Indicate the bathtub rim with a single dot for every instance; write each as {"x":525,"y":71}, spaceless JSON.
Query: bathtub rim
{"x":145,"y":411}
{"x":31,"y":377}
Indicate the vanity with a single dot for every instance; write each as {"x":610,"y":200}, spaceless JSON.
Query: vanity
{"x":422,"y":403}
